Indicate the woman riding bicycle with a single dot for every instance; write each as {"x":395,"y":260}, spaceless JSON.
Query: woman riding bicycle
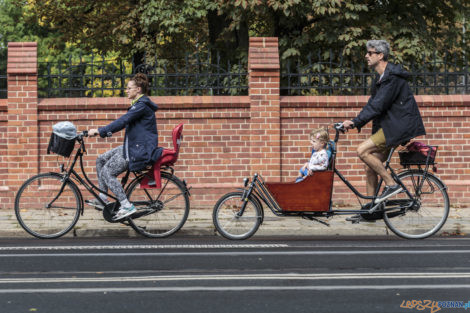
{"x":140,"y":147}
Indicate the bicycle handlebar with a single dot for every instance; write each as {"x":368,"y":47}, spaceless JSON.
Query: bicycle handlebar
{"x":82,"y":134}
{"x":339,"y":128}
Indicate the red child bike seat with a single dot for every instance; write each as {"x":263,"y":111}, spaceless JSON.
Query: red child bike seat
{"x":168,"y":158}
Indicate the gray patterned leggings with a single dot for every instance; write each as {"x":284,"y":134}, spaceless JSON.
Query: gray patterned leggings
{"x":108,"y":166}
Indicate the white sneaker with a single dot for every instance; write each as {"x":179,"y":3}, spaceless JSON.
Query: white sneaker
{"x":124,"y":212}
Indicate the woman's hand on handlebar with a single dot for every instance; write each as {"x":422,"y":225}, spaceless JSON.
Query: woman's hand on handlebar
{"x":93,"y":132}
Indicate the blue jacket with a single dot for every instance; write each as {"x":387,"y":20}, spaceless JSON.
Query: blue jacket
{"x":393,"y":108}
{"x":141,"y":137}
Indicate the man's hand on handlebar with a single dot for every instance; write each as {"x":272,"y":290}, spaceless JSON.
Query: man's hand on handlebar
{"x":93,"y":132}
{"x":348,"y":124}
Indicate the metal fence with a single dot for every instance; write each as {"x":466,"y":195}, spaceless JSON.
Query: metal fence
{"x":317,"y":75}
{"x":95,"y":76}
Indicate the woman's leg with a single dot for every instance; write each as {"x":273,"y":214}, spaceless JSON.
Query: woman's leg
{"x":114,"y":166}
{"x":100,"y":163}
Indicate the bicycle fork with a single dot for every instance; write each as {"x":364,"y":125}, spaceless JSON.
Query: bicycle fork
{"x":64,"y":182}
{"x":246,"y":195}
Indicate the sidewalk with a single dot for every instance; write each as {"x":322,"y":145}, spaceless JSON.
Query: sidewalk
{"x":199,"y":222}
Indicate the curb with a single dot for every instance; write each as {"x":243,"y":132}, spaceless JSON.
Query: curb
{"x":199,"y":223}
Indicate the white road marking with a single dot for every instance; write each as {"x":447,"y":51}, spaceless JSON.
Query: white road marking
{"x":241,"y":277}
{"x":235,"y":288}
{"x":144,"y":247}
{"x":238,"y":253}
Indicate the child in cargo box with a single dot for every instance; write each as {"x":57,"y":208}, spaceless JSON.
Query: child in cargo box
{"x":319,"y":160}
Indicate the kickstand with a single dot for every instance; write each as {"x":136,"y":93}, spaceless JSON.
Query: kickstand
{"x":315,"y":219}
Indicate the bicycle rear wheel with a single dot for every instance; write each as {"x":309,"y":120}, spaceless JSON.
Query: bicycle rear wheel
{"x":42,"y":216}
{"x":161,"y":212}
{"x":229,"y":223}
{"x":430,"y":211}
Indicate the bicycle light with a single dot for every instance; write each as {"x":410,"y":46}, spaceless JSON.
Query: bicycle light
{"x":245,"y":181}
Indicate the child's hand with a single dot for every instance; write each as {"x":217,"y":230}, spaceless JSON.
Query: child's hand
{"x":310,"y":172}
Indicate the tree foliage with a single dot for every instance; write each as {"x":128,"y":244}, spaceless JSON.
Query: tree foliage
{"x":170,"y":28}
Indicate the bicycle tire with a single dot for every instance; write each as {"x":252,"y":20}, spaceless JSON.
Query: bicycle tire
{"x":32,"y":201}
{"x":229,"y":224}
{"x":430,"y":213}
{"x":161,"y":212}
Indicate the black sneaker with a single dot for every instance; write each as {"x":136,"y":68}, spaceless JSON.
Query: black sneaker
{"x":355,"y":219}
{"x":388,"y":192}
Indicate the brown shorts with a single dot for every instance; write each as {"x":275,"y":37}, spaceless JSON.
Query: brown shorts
{"x":378,"y":139}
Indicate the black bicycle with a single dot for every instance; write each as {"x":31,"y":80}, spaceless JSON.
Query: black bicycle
{"x":418,"y":211}
{"x":49,"y":205}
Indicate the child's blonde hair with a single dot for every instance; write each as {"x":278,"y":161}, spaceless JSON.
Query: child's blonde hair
{"x":320,"y":134}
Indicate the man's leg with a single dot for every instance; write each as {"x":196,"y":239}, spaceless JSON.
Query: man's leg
{"x":372,"y":180}
{"x":367,"y":152}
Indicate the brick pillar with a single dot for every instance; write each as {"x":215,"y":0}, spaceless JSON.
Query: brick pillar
{"x":265,"y":126}
{"x":22,"y":125}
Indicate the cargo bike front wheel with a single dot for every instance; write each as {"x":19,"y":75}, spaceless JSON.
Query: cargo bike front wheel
{"x":234,"y":223}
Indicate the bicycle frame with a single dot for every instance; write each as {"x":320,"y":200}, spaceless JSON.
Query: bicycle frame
{"x":87,"y":183}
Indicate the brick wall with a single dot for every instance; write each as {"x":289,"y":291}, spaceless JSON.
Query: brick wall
{"x":226,"y":138}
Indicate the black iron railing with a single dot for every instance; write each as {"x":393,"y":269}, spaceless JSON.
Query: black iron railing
{"x":98,"y":77}
{"x":95,"y":76}
{"x":317,"y":75}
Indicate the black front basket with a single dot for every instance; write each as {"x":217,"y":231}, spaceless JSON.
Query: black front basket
{"x":60,"y":146}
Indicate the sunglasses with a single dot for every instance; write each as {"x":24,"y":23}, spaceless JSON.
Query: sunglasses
{"x":369,"y":53}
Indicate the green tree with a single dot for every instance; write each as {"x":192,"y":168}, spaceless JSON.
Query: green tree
{"x":168,"y":28}
{"x":18,"y":23}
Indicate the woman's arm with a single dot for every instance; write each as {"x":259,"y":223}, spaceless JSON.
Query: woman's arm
{"x":134,"y":113}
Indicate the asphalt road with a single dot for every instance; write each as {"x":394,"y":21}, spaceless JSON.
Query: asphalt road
{"x":210,"y":274}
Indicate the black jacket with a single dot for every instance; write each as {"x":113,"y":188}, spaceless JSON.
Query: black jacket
{"x":141,"y":137}
{"x":392,"y":107}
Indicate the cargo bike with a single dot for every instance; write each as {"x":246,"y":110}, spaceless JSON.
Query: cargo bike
{"x":48,"y":205}
{"x":418,"y":211}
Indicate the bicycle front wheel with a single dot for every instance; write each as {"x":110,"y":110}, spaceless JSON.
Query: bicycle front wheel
{"x":228,"y":220}
{"x":47,"y":207}
{"x":161,"y":212}
{"x":430,"y":211}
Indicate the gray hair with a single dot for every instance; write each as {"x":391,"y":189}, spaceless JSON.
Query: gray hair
{"x":380,"y":46}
